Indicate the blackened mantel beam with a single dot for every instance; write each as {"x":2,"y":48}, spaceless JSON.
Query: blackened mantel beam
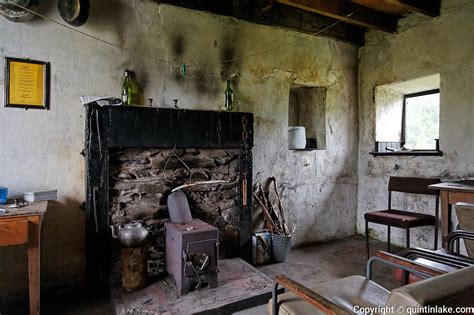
{"x":180,"y":128}
{"x":141,"y":127}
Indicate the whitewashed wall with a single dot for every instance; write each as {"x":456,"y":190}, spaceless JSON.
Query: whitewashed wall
{"x":423,"y":46}
{"x":40,"y":149}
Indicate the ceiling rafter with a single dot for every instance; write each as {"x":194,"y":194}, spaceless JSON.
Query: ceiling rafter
{"x":426,"y":7}
{"x":348,"y":12}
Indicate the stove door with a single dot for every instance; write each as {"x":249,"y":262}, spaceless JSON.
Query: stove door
{"x":203,"y":255}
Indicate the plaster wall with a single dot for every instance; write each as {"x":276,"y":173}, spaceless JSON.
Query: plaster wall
{"x":423,"y":46}
{"x":41,"y":149}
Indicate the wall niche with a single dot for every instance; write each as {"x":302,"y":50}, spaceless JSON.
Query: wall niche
{"x":307,"y":108}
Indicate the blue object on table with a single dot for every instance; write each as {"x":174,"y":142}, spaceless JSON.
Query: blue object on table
{"x":3,"y":195}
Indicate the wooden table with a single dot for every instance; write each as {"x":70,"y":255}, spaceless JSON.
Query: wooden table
{"x":23,"y":226}
{"x":451,"y":193}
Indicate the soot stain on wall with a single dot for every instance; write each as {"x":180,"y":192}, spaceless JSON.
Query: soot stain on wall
{"x":227,"y":54}
{"x":177,"y":45}
{"x":200,"y":81}
{"x":229,"y":57}
{"x":204,"y":82}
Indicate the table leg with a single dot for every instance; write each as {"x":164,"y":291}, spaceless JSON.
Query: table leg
{"x":445,"y":216}
{"x":34,"y":230}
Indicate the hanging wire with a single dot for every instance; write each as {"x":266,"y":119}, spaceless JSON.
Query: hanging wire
{"x":84,"y":33}
{"x":178,"y":66}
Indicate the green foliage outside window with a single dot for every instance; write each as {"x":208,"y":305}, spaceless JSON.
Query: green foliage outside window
{"x":422,"y":121}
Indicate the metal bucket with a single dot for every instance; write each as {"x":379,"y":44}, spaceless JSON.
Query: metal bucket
{"x":261,"y":248}
{"x":281,"y":246}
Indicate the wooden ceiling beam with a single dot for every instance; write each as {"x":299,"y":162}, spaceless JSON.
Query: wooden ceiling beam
{"x":308,"y":22}
{"x":348,"y":12}
{"x":426,"y":7}
{"x":267,"y":12}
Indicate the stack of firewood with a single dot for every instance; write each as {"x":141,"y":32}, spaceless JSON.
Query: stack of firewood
{"x":268,"y":199}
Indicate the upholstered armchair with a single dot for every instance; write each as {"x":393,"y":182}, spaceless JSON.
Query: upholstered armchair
{"x":352,"y":295}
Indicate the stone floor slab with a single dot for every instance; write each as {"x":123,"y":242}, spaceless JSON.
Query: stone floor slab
{"x":240,"y":286}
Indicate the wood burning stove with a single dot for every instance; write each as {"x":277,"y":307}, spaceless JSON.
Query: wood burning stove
{"x":191,"y":254}
{"x":191,"y":247}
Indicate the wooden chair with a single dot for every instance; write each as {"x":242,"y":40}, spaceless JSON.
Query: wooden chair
{"x":402,"y":218}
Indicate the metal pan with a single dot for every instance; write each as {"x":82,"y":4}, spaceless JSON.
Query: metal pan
{"x":74,"y":12}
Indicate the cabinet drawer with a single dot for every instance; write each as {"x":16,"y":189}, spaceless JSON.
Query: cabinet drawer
{"x":13,"y":232}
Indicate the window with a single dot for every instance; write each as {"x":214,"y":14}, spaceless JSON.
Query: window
{"x":421,"y":120}
{"x":407,"y":117}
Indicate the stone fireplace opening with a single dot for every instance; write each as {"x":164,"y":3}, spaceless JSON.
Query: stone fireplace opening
{"x":142,"y":178}
{"x":135,"y":156}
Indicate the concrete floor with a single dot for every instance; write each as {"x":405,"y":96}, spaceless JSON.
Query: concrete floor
{"x":325,"y":262}
{"x":308,"y":265}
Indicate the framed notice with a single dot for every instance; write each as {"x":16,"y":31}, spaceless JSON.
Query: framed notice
{"x":26,"y":83}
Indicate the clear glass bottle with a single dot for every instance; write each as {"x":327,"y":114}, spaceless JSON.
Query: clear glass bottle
{"x":229,"y":97}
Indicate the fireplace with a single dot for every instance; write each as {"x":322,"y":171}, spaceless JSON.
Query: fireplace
{"x":136,"y":155}
{"x":140,"y":181}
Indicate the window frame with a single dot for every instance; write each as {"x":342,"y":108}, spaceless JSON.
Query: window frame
{"x":434,"y":152}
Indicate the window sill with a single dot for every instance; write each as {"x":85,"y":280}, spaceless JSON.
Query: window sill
{"x":305,"y":149}
{"x":409,"y":153}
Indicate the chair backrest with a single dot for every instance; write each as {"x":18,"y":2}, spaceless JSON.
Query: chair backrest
{"x":451,"y":289}
{"x":413,"y":185}
{"x":465,"y":214}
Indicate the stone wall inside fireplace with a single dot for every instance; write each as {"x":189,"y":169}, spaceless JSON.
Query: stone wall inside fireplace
{"x":142,"y":178}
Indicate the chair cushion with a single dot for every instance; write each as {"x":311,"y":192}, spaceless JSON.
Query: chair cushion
{"x":346,"y":292}
{"x":451,"y":289}
{"x":399,"y":218}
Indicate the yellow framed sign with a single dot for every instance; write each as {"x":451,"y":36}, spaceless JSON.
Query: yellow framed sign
{"x":27,"y":83}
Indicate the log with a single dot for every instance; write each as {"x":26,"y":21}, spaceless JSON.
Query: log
{"x":133,"y":268}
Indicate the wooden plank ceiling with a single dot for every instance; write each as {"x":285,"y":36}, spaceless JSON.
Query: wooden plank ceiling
{"x":382,"y":15}
{"x":314,"y":16}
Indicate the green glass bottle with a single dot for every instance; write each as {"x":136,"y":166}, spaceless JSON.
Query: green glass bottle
{"x":126,"y":89}
{"x":229,"y":97}
{"x":135,"y":91}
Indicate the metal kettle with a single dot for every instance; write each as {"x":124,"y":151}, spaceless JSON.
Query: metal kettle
{"x":131,"y":234}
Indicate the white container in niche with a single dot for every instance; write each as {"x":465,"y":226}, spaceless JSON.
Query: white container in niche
{"x":296,"y":137}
